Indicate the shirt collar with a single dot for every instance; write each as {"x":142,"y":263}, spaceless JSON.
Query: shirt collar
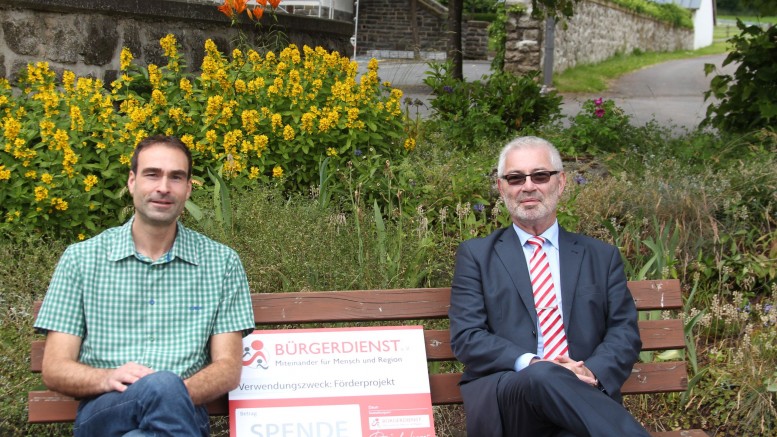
{"x":124,"y":246}
{"x":550,"y":235}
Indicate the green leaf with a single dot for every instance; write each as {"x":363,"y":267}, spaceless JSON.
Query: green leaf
{"x":194,"y":210}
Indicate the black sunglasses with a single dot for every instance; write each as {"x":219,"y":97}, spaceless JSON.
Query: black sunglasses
{"x":538,"y":177}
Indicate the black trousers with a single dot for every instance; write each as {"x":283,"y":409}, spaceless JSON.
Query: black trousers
{"x":544,"y":399}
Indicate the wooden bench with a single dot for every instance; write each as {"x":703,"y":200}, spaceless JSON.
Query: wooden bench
{"x":427,"y":305}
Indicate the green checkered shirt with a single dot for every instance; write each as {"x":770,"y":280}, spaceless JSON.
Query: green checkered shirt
{"x":159,"y":313}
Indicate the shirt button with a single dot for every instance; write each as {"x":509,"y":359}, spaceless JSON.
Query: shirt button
{"x":151,"y":302}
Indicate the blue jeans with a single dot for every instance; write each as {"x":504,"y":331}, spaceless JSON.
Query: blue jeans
{"x":155,"y":405}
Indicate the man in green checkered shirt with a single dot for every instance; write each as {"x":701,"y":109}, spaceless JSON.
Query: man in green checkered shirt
{"x":145,"y":321}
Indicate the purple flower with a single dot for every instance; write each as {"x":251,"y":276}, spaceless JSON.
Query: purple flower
{"x":357,"y":152}
{"x":447,"y":89}
{"x":478,"y":207}
{"x":768,"y":307}
{"x":598,"y":102}
{"x":599,"y":112}
{"x":580,"y":180}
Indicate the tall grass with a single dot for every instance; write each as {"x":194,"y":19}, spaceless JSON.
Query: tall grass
{"x":710,"y":223}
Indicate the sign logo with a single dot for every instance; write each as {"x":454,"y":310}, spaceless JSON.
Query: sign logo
{"x":256,"y":357}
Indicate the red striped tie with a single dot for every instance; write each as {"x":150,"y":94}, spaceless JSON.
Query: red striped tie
{"x":551,"y":325}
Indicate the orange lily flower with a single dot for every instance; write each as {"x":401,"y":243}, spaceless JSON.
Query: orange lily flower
{"x":226,"y":8}
{"x":262,"y":2}
{"x":258,"y":12}
{"x":240,"y":5}
{"x":274,"y":3}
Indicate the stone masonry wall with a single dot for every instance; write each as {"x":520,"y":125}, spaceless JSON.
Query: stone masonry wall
{"x":597,"y":31}
{"x":86,"y":36}
{"x":384,"y":26}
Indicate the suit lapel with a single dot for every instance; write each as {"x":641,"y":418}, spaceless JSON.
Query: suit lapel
{"x":570,"y":258}
{"x":509,"y":251}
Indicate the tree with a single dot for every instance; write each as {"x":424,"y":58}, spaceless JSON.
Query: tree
{"x":414,"y":29}
{"x":455,"y":12}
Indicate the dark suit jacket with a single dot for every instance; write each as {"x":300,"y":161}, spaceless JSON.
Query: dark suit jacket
{"x":493,"y":320}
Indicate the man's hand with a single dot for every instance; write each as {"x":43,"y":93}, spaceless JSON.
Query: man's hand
{"x":129,"y":373}
{"x":579,"y":368}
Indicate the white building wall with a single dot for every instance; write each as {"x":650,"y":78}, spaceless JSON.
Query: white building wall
{"x":703,"y":25}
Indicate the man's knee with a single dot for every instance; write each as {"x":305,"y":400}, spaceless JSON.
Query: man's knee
{"x":533,"y":380}
{"x":166,"y":385}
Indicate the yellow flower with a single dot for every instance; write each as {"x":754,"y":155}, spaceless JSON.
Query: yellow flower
{"x":154,"y":75}
{"x":410,"y":144}
{"x":277,"y":121}
{"x":250,"y":119}
{"x":125,"y":58}
{"x":32,"y":174}
{"x":170,"y":47}
{"x":277,"y":171}
{"x":59,"y":204}
{"x":41,"y":193}
{"x":240,"y":86}
{"x":260,"y":143}
{"x":68,"y":78}
{"x":76,"y":119}
{"x":4,"y":174}
{"x":46,"y":178}
{"x":186,"y":86}
{"x":331,"y":151}
{"x":254,"y":173}
{"x":81,"y":237}
{"x":159,"y":97}
{"x":89,"y":182}
{"x":307,"y":121}
{"x":12,"y":128}
{"x":188,"y":139}
{"x":288,"y":133}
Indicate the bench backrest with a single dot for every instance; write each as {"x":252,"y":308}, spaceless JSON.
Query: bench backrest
{"x":416,"y":305}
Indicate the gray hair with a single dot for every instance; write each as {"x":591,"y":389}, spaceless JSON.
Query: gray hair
{"x":529,"y":142}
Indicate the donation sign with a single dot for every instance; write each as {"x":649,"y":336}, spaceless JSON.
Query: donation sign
{"x":333,"y":382}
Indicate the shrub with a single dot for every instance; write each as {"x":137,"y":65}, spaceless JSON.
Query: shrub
{"x":252,"y":119}
{"x":502,"y":104}
{"x":599,"y":127}
{"x":748,"y":99}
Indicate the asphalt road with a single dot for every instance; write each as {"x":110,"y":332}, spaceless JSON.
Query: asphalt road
{"x":670,"y":93}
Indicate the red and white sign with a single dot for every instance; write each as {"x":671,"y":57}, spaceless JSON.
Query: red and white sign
{"x":333,"y":382}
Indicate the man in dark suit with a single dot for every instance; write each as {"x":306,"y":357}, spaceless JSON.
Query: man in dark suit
{"x":559,"y":373}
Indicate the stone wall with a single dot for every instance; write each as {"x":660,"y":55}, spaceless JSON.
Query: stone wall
{"x":597,"y":31}
{"x":86,"y":36}
{"x":384,"y":30}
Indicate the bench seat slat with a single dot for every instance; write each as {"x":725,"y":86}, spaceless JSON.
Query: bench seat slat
{"x":658,"y":377}
{"x":655,"y":334}
{"x":351,"y":306}
{"x":45,"y":406}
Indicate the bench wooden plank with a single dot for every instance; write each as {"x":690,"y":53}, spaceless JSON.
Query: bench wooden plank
{"x":351,"y":306}
{"x":655,"y":334}
{"x":45,"y":406}
{"x":657,"y":295}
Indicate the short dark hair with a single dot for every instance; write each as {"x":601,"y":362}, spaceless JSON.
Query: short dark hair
{"x":169,"y":141}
